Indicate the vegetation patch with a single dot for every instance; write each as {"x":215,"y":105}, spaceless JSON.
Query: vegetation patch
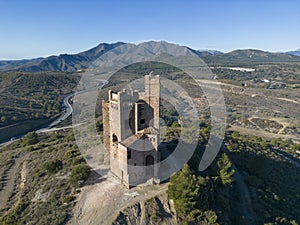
{"x":48,"y":186}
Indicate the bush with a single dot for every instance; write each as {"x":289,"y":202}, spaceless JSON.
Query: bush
{"x":30,"y":149}
{"x":30,"y":139}
{"x":175,"y":124}
{"x":77,"y":160}
{"x":53,"y":166}
{"x":79,"y":174}
{"x":13,"y":217}
{"x":235,"y":135}
{"x":70,"y":154}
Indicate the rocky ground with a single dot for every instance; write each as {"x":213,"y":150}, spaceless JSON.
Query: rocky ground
{"x":102,"y":200}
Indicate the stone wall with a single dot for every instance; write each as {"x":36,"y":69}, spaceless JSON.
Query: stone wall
{"x":106,"y":125}
{"x":124,"y":110}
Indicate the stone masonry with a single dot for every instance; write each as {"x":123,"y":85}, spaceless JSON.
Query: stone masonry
{"x":130,"y":133}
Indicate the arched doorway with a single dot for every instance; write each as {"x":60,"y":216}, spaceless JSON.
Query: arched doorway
{"x":149,"y":167}
{"x":149,"y":160}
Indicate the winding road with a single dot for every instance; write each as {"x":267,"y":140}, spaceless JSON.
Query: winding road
{"x":68,"y":111}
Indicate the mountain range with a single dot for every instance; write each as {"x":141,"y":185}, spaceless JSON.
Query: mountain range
{"x":297,"y":52}
{"x":82,"y":60}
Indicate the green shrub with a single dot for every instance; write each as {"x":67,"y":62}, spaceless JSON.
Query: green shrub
{"x":53,"y":166}
{"x":70,"y":154}
{"x":77,"y":160}
{"x":79,"y":174}
{"x":13,"y":217}
{"x":175,"y":124}
{"x":30,"y":149}
{"x":30,"y":139}
{"x":235,"y":135}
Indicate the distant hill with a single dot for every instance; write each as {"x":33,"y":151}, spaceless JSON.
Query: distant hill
{"x":11,"y":64}
{"x":297,"y":52}
{"x":248,"y":56}
{"x":210,"y":52}
{"x":63,"y":62}
{"x":82,"y":60}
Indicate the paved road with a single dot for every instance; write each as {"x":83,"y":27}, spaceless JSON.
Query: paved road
{"x":68,"y":112}
{"x":58,"y":128}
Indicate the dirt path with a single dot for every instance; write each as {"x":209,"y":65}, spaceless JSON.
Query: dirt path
{"x":284,"y":125}
{"x":262,"y":133}
{"x":100,"y":203}
{"x":289,"y":100}
{"x":9,"y":185}
{"x":278,"y":120}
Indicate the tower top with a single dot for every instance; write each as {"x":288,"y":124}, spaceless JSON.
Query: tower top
{"x":151,"y":75}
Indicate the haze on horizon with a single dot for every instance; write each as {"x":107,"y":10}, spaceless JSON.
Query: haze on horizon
{"x":41,"y":28}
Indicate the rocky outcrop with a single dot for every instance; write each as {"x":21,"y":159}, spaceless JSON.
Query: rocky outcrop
{"x":157,"y":210}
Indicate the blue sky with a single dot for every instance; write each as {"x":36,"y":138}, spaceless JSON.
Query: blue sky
{"x":41,"y":28}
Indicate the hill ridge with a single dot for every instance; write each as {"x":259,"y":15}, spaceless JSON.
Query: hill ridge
{"x":82,"y":60}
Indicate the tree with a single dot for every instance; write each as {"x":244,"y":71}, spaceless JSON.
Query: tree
{"x":225,"y":170}
{"x":187,"y":191}
{"x":203,"y":217}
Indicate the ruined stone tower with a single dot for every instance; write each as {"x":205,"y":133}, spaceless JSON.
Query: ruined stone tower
{"x":130,"y":130}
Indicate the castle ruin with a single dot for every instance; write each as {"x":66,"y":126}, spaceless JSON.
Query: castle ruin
{"x":131,"y":133}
